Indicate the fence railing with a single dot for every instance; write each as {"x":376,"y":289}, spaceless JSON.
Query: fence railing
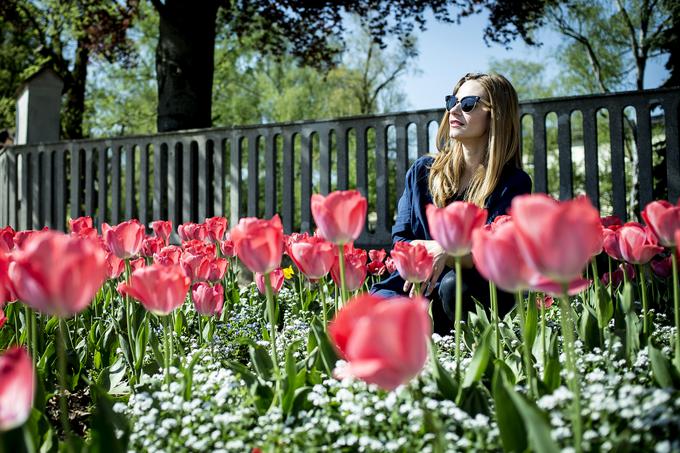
{"x":263,"y":169}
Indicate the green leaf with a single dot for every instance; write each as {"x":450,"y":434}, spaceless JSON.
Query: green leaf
{"x":605,"y":305}
{"x":530,"y":325}
{"x":104,"y":424}
{"x":248,"y":376}
{"x":446,"y":385}
{"x":291,"y":378}
{"x":510,"y":423}
{"x":180,"y":322}
{"x":261,"y":361}
{"x":664,"y":372}
{"x":140,"y":345}
{"x":551,"y":373}
{"x":327,"y":355}
{"x":480,"y":358}
{"x":535,"y":421}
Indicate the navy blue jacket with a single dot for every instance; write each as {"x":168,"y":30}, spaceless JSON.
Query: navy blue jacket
{"x":411,"y":221}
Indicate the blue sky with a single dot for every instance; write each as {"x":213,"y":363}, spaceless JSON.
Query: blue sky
{"x":448,"y":51}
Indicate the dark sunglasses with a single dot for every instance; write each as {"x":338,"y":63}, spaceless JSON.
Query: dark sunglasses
{"x":467,"y":104}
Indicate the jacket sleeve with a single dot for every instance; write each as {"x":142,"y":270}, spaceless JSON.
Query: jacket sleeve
{"x":519,"y":184}
{"x":403,"y":228}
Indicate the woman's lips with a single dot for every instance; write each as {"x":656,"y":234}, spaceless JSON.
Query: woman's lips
{"x":455,"y":123}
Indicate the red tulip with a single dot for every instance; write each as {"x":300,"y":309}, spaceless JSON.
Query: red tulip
{"x":208,"y":300}
{"x":551,"y":287}
{"x":384,"y":341}
{"x":227,"y":247}
{"x":638,"y":245}
{"x":259,"y":243}
{"x":314,"y":256}
{"x":162,"y":229}
{"x":355,"y":268}
{"x":413,"y":262}
{"x":22,"y":237}
{"x":557,"y":239}
{"x":616,"y":277}
{"x":215,"y":228}
{"x":340,"y":216}
{"x":159,"y":288}
{"x":114,"y":265}
{"x":664,"y":219}
{"x":17,"y":387}
{"x":58,"y":274}
{"x":196,"y":247}
{"x":497,"y":257}
{"x":125,"y":239}
{"x":170,"y":254}
{"x":453,"y":225}
{"x":612,"y":222}
{"x":7,"y":239}
{"x":192,"y":231}
{"x":663,"y":267}
{"x":80,"y":224}
{"x":376,"y":268}
{"x":276,"y":279}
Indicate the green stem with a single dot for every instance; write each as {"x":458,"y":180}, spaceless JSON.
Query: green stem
{"x":494,"y":307}
{"x":63,"y":404}
{"x":676,"y":306}
{"x":128,"y":317}
{"x":341,"y":263}
{"x":322,"y":296}
{"x":458,"y":314}
{"x":272,"y":324}
{"x":416,"y":289}
{"x":166,"y":346}
{"x":302,"y":303}
{"x":596,"y":283}
{"x":519,"y":301}
{"x":543,"y":340}
{"x":643,"y":288}
{"x":568,"y":334}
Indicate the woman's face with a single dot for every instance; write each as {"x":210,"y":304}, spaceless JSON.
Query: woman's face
{"x":466,"y":126}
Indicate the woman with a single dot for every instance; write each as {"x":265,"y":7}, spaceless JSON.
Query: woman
{"x":479,"y":161}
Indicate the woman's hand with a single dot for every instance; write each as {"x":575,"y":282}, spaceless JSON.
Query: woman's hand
{"x":439,"y":258}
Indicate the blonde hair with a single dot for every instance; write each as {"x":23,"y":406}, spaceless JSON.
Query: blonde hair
{"x":502,"y":147}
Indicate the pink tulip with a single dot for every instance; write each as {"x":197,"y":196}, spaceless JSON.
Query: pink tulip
{"x":114,"y":265}
{"x":137,"y":264}
{"x":162,"y":229}
{"x":152,"y":245}
{"x":80,"y":224}
{"x":17,"y":387}
{"x":159,"y":288}
{"x":413,"y":262}
{"x":196,"y":247}
{"x":192,"y":231}
{"x":545,"y":301}
{"x":57,"y":274}
{"x":227,"y":247}
{"x":290,"y":239}
{"x":377,"y":255}
{"x":612,"y":222}
{"x":3,"y":318}
{"x":553,"y":288}
{"x":215,"y":228}
{"x":259,"y":243}
{"x":340,"y":216}
{"x":664,"y":219}
{"x":376,"y":268}
{"x":611,"y":244}
{"x":168,"y":255}
{"x":557,"y":239}
{"x":276,"y":278}
{"x":497,"y":257}
{"x":208,"y":300}
{"x":23,"y":237}
{"x":7,"y":239}
{"x":355,"y":268}
{"x":389,"y":265}
{"x":7,"y":293}
{"x":384,"y":341}
{"x":203,"y":267}
{"x":125,"y":239}
{"x":662,"y":267}
{"x":637,"y":245}
{"x":314,"y":256}
{"x":453,"y":225}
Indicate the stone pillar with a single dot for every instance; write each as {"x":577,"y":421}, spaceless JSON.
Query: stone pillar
{"x":38,"y":107}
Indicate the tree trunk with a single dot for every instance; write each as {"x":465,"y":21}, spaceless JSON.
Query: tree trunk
{"x":185,"y":64}
{"x":72,"y":118}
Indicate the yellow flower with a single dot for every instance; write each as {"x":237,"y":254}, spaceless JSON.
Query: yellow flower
{"x":288,"y":272}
